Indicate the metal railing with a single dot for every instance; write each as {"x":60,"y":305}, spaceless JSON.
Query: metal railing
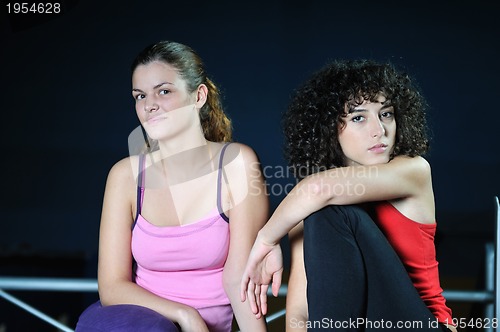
{"x":70,"y":285}
{"x":489,"y":296}
{"x":486,"y":296}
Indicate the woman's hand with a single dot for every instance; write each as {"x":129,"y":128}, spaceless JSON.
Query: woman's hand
{"x":190,"y":320}
{"x":265,"y":265}
{"x":451,"y":327}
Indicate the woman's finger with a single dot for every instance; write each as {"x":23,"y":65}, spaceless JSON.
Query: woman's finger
{"x":244,"y":287}
{"x":251,"y":297}
{"x":263,"y":299}
{"x":257,"y":293}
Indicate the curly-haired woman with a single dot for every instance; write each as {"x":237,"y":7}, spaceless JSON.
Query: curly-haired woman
{"x":355,"y":135}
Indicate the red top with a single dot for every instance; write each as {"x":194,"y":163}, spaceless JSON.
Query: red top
{"x":414,"y":244}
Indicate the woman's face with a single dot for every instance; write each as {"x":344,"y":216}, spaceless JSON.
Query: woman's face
{"x":162,"y":102}
{"x":369,"y":133}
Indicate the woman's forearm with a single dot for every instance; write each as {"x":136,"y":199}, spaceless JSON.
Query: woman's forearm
{"x":296,"y":299}
{"x":401,"y":177}
{"x":244,"y":316}
{"x":304,"y":199}
{"x":127,"y":292}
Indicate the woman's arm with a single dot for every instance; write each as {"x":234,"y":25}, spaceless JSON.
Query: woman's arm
{"x":248,"y":214}
{"x":115,"y":257}
{"x":403,"y":177}
{"x":296,"y":298}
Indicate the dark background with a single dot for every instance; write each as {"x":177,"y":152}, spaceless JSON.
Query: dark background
{"x":67,"y":111}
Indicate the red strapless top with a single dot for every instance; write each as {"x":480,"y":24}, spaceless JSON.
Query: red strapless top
{"x":414,"y":244}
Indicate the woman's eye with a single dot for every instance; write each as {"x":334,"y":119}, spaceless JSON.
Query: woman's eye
{"x":139,"y":97}
{"x":164,"y":92}
{"x":387,"y":115}
{"x":357,"y":118}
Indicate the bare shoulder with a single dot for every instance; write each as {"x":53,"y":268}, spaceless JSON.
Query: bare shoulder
{"x":120,"y":194}
{"x":417,"y":161}
{"x":417,"y":166}
{"x":243,"y":169}
{"x":418,"y":205}
{"x":243,"y":151}
{"x":240,"y":153}
{"x":125,"y":170}
{"x":421,"y":164}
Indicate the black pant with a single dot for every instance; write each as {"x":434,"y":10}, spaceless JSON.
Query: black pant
{"x":355,"y":280}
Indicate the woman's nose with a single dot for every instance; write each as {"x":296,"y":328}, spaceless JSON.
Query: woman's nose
{"x":377,"y":129}
{"x":150,"y":106}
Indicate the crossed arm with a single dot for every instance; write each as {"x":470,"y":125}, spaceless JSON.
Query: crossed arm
{"x":403,"y":177}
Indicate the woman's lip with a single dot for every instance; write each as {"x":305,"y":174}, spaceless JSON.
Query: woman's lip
{"x":378,"y":148}
{"x":156,"y":118}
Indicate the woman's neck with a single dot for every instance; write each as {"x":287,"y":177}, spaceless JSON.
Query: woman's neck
{"x":181,"y":145}
{"x":184,"y":158}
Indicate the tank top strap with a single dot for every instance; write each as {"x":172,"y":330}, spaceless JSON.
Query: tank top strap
{"x":221,"y":174}
{"x":141,"y":174}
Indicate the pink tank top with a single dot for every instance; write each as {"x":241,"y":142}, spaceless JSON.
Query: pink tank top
{"x":185,"y":263}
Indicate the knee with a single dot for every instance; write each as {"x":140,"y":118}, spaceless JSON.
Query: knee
{"x":123,"y":317}
{"x":341,"y":218}
{"x":326,"y":225}
{"x":339,"y":213}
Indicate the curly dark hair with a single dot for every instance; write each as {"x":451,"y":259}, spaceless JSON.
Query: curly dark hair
{"x":311,"y":123}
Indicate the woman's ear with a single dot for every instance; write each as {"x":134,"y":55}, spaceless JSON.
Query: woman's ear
{"x":201,"y":96}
